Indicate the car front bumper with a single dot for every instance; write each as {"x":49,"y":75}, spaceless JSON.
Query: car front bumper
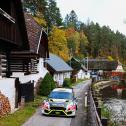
{"x":58,"y":112}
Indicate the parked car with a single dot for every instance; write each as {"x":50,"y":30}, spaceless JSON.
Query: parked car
{"x":61,"y":102}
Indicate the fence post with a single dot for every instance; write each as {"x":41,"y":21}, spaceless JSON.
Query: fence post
{"x":99,"y":111}
{"x":96,"y":102}
{"x":85,"y":99}
{"x":104,"y":121}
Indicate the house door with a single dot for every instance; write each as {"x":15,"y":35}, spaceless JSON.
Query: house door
{"x":27,"y":91}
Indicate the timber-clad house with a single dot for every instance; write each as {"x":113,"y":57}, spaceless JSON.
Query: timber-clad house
{"x":27,"y":61}
{"x":23,"y":47}
{"x":12,"y":33}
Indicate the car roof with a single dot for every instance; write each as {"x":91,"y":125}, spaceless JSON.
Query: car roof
{"x":70,"y":90}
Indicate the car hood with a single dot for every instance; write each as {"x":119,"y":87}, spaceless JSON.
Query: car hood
{"x":59,"y":102}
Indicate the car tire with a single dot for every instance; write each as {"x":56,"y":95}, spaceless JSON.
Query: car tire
{"x":76,"y":107}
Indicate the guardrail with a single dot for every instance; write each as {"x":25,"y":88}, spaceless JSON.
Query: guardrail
{"x":94,"y":112}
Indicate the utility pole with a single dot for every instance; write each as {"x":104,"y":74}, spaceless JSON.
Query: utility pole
{"x":87,"y":62}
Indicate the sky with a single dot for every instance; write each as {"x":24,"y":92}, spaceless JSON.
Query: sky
{"x":111,"y":13}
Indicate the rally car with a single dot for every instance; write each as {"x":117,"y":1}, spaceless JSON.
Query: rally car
{"x":61,"y":101}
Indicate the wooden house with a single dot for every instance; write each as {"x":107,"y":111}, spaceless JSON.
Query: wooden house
{"x":99,"y":68}
{"x":13,"y":37}
{"x":29,"y":62}
{"x":28,"y":65}
{"x":23,"y":46}
{"x":12,"y":33}
{"x":79,"y":70}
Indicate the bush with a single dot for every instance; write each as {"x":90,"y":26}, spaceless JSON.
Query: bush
{"x":67,"y":82}
{"x":47,"y":85}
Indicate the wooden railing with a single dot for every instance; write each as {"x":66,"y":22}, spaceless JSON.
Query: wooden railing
{"x":20,"y":66}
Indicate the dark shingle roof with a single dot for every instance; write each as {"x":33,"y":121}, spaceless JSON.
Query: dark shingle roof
{"x":33,"y":31}
{"x":58,"y":64}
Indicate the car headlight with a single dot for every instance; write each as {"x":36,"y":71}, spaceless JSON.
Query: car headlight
{"x":45,"y":105}
{"x":71,"y":107}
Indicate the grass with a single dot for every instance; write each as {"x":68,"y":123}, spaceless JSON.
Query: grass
{"x":20,"y":116}
{"x":105,"y":112}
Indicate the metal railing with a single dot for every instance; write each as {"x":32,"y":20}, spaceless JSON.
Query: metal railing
{"x":93,"y":117}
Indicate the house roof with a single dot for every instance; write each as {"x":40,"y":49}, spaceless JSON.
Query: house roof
{"x":58,"y":64}
{"x":100,"y":64}
{"x":33,"y":32}
{"x":95,"y":60}
{"x":38,"y":39}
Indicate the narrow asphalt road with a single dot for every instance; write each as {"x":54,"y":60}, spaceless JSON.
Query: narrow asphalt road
{"x":80,"y":120}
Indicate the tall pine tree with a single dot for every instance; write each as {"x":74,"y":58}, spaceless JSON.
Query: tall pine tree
{"x":52,"y":14}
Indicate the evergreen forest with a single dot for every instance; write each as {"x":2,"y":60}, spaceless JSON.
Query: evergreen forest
{"x":70,"y":37}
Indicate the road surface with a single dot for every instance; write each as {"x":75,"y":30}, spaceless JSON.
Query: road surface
{"x":80,"y":120}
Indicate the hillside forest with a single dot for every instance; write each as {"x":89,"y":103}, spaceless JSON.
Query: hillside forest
{"x":70,"y":37}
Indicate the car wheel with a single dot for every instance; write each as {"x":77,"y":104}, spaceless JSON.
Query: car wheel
{"x":76,"y":107}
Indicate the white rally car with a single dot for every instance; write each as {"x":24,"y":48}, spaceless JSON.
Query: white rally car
{"x":61,"y":101}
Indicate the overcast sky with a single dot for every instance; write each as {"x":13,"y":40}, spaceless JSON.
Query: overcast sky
{"x":106,"y":12}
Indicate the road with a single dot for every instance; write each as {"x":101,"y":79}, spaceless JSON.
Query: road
{"x":80,"y":120}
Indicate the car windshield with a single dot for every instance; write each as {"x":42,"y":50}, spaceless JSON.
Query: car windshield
{"x":61,"y":95}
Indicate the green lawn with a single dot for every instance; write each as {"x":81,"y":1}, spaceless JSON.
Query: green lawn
{"x":20,"y":116}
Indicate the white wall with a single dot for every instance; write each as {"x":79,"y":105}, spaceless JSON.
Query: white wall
{"x":7,"y":88}
{"x":59,"y":77}
{"x":32,"y":77}
{"x":82,"y":75}
{"x":42,"y":70}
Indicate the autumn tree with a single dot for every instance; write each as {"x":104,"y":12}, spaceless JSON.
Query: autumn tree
{"x":71,"y":40}
{"x":58,"y":43}
{"x":84,"y":43}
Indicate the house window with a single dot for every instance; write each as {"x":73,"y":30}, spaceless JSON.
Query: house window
{"x":86,"y":73}
{"x":55,"y":77}
{"x":60,"y":76}
{"x":33,"y":65}
{"x":3,"y":65}
{"x":65,"y":75}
